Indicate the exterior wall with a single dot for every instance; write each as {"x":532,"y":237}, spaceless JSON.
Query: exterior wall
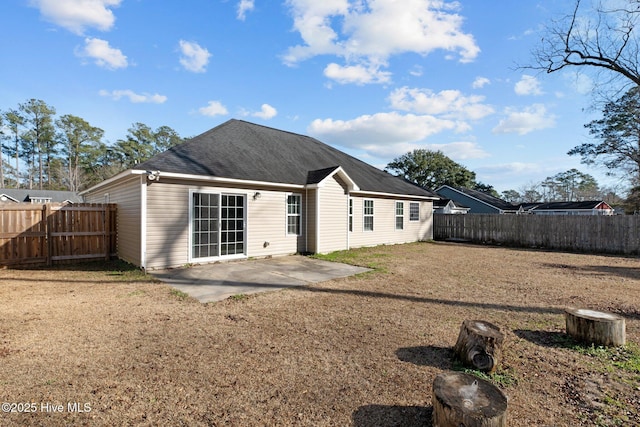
{"x":333,"y":224}
{"x":310,"y":212}
{"x":128,"y":196}
{"x":168,"y":225}
{"x":384,"y":224}
{"x":474,"y":205}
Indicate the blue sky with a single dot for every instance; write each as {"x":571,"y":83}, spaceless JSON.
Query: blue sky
{"x":375,"y":78}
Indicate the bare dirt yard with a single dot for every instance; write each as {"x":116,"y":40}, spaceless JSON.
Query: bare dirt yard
{"x":105,"y":345}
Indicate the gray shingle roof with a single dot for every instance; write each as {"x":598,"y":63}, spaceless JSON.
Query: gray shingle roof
{"x":241,"y":150}
{"x":22,"y":195}
{"x":487,"y":198}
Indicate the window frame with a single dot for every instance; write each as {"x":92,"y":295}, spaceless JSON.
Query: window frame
{"x":411,"y":212}
{"x":366,"y":215}
{"x":399,"y":216}
{"x":289,"y":215}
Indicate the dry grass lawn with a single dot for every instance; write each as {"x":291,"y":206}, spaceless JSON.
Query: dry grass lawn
{"x":360,"y":351}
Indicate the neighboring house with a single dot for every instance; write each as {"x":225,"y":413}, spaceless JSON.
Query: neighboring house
{"x":244,"y":190}
{"x":477,"y":201}
{"x":590,"y":207}
{"x":448,"y":206}
{"x":14,"y":195}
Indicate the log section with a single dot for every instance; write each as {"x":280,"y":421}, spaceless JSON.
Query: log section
{"x":479,"y":345}
{"x":595,"y":327}
{"x":461,"y":399}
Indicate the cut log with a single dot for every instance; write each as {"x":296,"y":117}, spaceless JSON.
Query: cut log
{"x":595,"y":327}
{"x":461,"y":399}
{"x":479,"y":345}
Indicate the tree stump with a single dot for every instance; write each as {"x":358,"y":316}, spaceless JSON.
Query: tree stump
{"x":595,"y":327}
{"x":461,"y":399}
{"x":479,"y":345}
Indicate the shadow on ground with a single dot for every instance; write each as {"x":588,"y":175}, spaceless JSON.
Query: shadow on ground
{"x":438,"y":357}
{"x":392,"y":416}
{"x":546,"y":338}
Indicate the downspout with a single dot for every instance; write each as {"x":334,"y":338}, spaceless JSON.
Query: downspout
{"x":317,"y":249}
{"x":348,"y":218}
{"x":143,"y":222}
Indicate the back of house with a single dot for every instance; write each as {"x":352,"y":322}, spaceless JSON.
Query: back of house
{"x":244,"y":190}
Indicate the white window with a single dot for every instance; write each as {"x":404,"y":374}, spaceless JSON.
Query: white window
{"x":367,"y":215}
{"x":294,"y":214}
{"x":414,"y":211}
{"x":399,"y":215}
{"x":350,"y":214}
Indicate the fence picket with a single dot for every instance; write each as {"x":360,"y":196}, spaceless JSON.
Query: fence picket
{"x":619,"y":234}
{"x":45,"y":234}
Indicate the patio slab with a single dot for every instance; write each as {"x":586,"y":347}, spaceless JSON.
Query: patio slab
{"x":218,"y":281}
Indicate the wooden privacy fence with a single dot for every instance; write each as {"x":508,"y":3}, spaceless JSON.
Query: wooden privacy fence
{"x":619,"y":234}
{"x":52,"y":233}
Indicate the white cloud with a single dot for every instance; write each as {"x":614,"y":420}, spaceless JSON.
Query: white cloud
{"x":214,"y":108}
{"x":357,"y":74}
{"x":580,"y":82}
{"x":102,"y":54}
{"x":528,"y":85}
{"x":480,"y":82}
{"x":416,"y":71}
{"x":370,"y":31}
{"x":449,"y":103}
{"x":136,"y":98}
{"x":266,"y":112}
{"x":461,"y":150}
{"x":528,"y":120}
{"x":378,"y":130}
{"x":78,"y":15}
{"x":244,"y":6}
{"x":194,"y":57}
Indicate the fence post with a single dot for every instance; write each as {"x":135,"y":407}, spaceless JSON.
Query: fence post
{"x":47,"y":221}
{"x":107,"y":232}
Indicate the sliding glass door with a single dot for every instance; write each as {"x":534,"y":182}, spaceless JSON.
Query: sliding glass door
{"x":217,"y":225}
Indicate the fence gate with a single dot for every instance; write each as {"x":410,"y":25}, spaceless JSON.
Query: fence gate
{"x":53,"y":233}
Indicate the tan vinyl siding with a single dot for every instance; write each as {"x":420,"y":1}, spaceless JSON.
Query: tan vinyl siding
{"x":333,"y":224}
{"x":310,"y":212}
{"x":167,"y":225}
{"x":384,"y":223}
{"x":127,"y":195}
{"x":168,"y":222}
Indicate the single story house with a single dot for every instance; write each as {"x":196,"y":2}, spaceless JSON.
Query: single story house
{"x":245,"y":190}
{"x":477,"y":201}
{"x":448,"y":206}
{"x":588,"y":207}
{"x":18,"y":195}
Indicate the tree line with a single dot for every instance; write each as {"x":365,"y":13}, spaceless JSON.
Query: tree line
{"x":432,"y":169}
{"x":47,"y":152}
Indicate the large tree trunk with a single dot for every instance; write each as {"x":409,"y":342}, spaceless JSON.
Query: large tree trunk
{"x":461,"y":399}
{"x":595,"y":327}
{"x":479,"y":345}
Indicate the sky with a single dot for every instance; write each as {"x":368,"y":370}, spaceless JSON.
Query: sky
{"x":374,"y":78}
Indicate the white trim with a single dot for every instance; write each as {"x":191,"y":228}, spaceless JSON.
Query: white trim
{"x":373,"y":215}
{"x":286,"y":215}
{"x":401,"y":196}
{"x":192,"y":177}
{"x":353,"y":187}
{"x":396,"y":216}
{"x":219,"y":193}
{"x":349,"y":220}
{"x":317,"y":221}
{"x":414,"y":220}
{"x":8,"y":197}
{"x":351,"y":184}
{"x":143,"y":223}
